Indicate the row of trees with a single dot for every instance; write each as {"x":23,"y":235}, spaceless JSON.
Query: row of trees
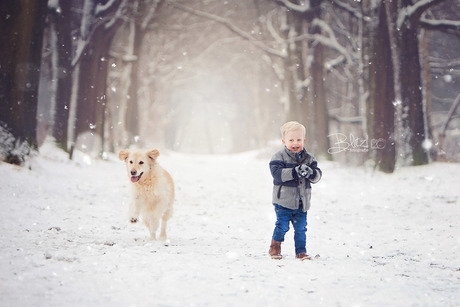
{"x":79,"y":36}
{"x":21,"y":36}
{"x":324,"y":54}
{"x":381,"y":64}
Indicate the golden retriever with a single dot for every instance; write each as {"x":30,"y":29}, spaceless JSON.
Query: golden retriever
{"x":152,"y":190}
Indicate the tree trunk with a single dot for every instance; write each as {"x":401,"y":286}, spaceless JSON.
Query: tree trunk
{"x":309,"y":107}
{"x":411,"y":93}
{"x":90,"y":113}
{"x":132,"y":101}
{"x":426,"y":79}
{"x":368,"y":119}
{"x":91,"y":75}
{"x":411,"y":84}
{"x":21,"y":38}
{"x":318,"y":93}
{"x":382,"y":95}
{"x":62,"y":73}
{"x":293,"y":68}
{"x":380,"y":111}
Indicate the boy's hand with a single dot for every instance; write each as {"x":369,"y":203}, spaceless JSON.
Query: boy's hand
{"x":303,"y":170}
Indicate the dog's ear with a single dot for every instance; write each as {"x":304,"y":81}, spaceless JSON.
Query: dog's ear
{"x":153,"y":154}
{"x":123,"y":154}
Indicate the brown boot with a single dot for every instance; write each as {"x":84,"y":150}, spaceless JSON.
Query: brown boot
{"x":275,"y":250}
{"x":303,"y":256}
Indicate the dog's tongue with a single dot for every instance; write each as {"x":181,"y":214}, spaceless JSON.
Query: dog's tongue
{"x":134,"y":178}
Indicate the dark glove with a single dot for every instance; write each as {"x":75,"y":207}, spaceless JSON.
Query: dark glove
{"x":303,"y":170}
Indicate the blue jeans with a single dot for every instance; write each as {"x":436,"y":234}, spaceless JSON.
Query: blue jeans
{"x":284,"y":216}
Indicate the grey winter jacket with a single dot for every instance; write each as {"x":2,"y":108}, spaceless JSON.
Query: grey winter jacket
{"x":288,"y":188}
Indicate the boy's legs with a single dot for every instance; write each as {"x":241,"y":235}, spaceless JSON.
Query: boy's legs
{"x":299,"y":221}
{"x":283,"y":217}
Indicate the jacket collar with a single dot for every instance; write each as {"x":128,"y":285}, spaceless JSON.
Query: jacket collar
{"x":295,"y":156}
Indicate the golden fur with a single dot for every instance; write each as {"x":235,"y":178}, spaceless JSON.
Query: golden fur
{"x":153,"y":190}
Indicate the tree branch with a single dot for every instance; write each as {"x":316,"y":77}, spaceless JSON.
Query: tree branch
{"x":149,"y":16}
{"x":100,"y":22}
{"x":103,"y":10}
{"x":442,"y":24}
{"x":296,"y":7}
{"x":271,"y":29}
{"x":415,"y":11}
{"x":330,"y":41}
{"x":230,"y":26}
{"x":450,"y":114}
{"x":348,"y":8}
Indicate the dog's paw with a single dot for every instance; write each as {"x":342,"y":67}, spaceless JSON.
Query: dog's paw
{"x":133,"y":220}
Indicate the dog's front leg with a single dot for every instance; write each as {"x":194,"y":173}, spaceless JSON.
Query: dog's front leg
{"x":133,"y":212}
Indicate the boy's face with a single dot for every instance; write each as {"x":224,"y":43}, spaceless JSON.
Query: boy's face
{"x":294,"y":140}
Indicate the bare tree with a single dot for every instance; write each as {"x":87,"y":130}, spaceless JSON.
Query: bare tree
{"x":142,"y":17}
{"x":380,"y":100}
{"x":395,"y":30}
{"x":21,"y":34}
{"x":60,"y":17}
{"x":441,"y":23}
{"x":302,"y":42}
{"x":98,"y":27}
{"x":405,"y":18}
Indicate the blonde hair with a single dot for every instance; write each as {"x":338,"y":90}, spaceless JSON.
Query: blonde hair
{"x":292,"y":126}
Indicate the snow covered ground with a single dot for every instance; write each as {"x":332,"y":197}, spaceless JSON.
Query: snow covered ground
{"x":384,"y":240}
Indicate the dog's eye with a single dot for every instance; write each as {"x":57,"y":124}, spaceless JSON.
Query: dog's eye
{"x":141,"y":162}
{"x":131,"y":162}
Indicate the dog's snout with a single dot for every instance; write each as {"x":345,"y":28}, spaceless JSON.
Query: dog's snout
{"x":133,"y":172}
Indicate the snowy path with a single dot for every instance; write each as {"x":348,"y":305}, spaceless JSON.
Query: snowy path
{"x":384,"y":240}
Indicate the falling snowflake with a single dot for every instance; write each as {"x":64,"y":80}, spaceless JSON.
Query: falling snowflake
{"x":427,"y":144}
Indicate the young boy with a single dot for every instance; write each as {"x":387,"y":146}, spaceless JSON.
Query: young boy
{"x":293,"y":170}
